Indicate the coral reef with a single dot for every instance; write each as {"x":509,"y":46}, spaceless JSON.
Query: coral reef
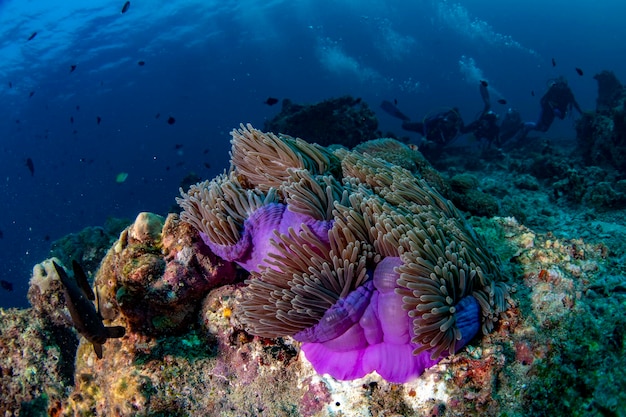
{"x":309,"y":237}
{"x":36,"y":364}
{"x":157,"y":273}
{"x":344,"y":121}
{"x":601,"y":134}
{"x":559,"y":351}
{"x":88,"y":246}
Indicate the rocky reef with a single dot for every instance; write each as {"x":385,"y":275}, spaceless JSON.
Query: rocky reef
{"x":191,"y":350}
{"x":345,"y":120}
{"x":601,"y":136}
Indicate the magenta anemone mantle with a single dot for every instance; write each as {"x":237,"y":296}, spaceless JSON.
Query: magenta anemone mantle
{"x":365,"y":264}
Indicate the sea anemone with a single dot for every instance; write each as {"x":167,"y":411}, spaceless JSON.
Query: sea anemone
{"x":350,"y":254}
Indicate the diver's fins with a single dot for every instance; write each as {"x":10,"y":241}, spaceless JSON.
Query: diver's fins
{"x":392,"y":110}
{"x":484,"y":93}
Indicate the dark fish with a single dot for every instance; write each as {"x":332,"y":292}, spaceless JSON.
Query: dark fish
{"x":157,"y":115}
{"x":579,"y":71}
{"x":553,"y":62}
{"x":10,"y":84}
{"x":502,"y":101}
{"x":532,"y":93}
{"x":74,"y":132}
{"x":206,"y":151}
{"x":392,"y":110}
{"x":72,"y":119}
{"x":171,"y":120}
{"x":77,"y":107}
{"x":207,"y":165}
{"x":6,"y":285}
{"x":82,"y":281}
{"x":32,"y":36}
{"x":46,"y":238}
{"x":72,"y":68}
{"x":98,"y":119}
{"x":1,"y":234}
{"x":178,"y":146}
{"x":271,"y":101}
{"x":17,"y":121}
{"x":395,"y":101}
{"x":32,"y":93}
{"x":141,"y":63}
{"x":357,"y":101}
{"x":484,"y":83}
{"x":126,"y":6}
{"x":86,"y":318}
{"x":31,"y":166}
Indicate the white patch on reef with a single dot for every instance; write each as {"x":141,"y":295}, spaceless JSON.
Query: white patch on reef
{"x":353,"y":401}
{"x":429,"y":386}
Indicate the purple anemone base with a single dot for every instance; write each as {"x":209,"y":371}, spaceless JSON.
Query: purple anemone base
{"x":254,"y":246}
{"x":369,"y":331}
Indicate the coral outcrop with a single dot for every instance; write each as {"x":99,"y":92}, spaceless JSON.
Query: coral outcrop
{"x":309,"y":233}
{"x":346,"y":121}
{"x":602,"y":134}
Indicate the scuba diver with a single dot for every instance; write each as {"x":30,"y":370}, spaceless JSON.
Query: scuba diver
{"x":443,"y":128}
{"x":486,"y":125}
{"x":556,"y":102}
{"x":511,"y":125}
{"x":438,"y":130}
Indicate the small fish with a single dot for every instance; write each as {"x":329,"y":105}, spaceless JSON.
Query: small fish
{"x":395,"y":101}
{"x":98,"y":119}
{"x":207,"y":165}
{"x":171,"y":120}
{"x":579,"y":71}
{"x":72,"y":68}
{"x":74,"y":132}
{"x":31,"y":166}
{"x":6,"y":285}
{"x":553,"y":62}
{"x":502,"y":101}
{"x":72,"y":119}
{"x":46,"y":238}
{"x":1,"y":234}
{"x":271,"y":101}
{"x":121,"y":177}
{"x":86,"y":318}
{"x":141,"y":63}
{"x":10,"y":84}
{"x":32,"y":36}
{"x":532,"y":93}
{"x":157,"y":115}
{"x":205,"y":151}
{"x":484,"y":83}
{"x":32,"y":93}
{"x":125,"y":7}
{"x":77,"y":107}
{"x":178,"y":146}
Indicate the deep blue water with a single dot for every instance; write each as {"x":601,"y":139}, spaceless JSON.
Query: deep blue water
{"x":211,"y":65}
